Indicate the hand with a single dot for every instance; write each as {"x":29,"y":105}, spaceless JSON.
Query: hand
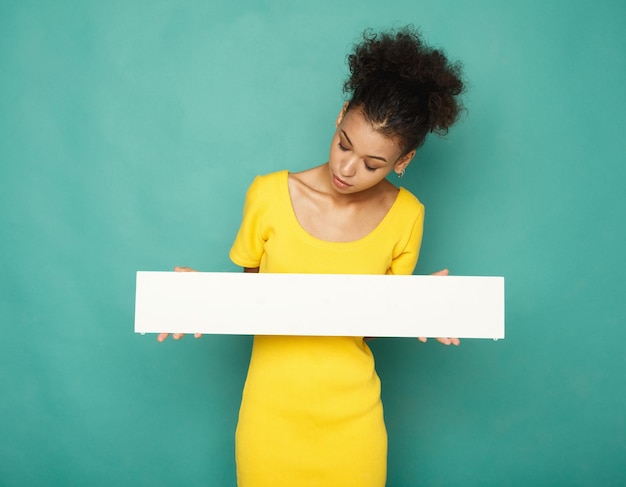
{"x":442,"y":272}
{"x":446,"y":340}
{"x":177,"y":336}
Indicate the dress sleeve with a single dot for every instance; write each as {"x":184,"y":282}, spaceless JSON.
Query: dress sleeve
{"x":404,"y":262}
{"x":249,"y":243}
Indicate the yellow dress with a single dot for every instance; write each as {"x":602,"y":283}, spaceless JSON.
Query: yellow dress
{"x":311,"y":413}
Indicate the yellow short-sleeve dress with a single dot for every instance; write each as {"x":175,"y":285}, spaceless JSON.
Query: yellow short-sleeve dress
{"x":311,"y":413}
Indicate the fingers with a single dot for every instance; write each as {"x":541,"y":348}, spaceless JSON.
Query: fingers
{"x":445,"y":340}
{"x":162,"y":336}
{"x":442,"y":272}
{"x":184,"y":269}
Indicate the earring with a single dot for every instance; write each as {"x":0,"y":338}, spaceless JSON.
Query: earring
{"x":401,"y":174}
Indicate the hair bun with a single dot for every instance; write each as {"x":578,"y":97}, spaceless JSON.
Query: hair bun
{"x":395,"y":74}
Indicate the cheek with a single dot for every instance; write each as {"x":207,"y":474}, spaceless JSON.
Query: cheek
{"x":335,"y":153}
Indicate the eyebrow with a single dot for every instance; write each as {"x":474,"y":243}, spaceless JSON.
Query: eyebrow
{"x":350,"y":142}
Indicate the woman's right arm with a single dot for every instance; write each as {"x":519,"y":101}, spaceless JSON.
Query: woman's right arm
{"x":177,"y":336}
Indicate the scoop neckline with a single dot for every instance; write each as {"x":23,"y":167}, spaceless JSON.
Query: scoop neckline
{"x":377,"y":229}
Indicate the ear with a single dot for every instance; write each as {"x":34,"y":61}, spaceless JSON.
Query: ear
{"x":342,"y":114}
{"x":403,"y":162}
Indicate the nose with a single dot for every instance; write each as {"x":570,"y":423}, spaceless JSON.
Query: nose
{"x":347,"y":167}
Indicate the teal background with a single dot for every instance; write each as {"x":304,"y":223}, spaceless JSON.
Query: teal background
{"x":129,"y":132}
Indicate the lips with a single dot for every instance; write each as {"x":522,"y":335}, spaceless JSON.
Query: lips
{"x":340,"y":182}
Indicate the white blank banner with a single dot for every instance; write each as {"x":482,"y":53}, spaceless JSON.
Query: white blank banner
{"x":319,"y":304}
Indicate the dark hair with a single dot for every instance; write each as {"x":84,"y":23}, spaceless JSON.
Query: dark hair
{"x":403,"y":87}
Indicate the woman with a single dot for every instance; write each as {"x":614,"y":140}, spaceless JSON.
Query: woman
{"x":311,"y":413}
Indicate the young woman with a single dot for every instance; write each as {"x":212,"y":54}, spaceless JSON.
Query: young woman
{"x":311,"y":413}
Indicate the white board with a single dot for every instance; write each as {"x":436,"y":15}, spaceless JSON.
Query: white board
{"x":319,"y":304}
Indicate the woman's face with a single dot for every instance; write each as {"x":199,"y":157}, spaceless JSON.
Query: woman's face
{"x":361,"y":157}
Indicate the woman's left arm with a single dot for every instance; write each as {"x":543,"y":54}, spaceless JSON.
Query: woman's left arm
{"x":444,"y":340}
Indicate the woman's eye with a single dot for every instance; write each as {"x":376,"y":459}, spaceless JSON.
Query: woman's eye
{"x":342,"y":147}
{"x":370,"y":168}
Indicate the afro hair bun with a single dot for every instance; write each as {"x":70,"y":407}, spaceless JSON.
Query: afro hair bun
{"x":395,"y":77}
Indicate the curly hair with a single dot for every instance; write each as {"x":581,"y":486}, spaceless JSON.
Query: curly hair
{"x":404,"y":88}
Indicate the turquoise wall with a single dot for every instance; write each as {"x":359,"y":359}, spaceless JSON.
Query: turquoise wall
{"x":129,"y":132}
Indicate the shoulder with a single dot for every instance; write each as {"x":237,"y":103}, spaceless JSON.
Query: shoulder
{"x":407,"y":202}
{"x":270,"y":180}
{"x":267,"y":186}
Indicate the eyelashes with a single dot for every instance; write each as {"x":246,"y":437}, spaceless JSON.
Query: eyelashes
{"x":343,"y":148}
{"x":369,"y":168}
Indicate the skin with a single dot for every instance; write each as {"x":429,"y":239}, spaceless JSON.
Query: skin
{"x":346,"y":198}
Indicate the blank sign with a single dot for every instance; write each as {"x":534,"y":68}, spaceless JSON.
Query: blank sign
{"x":319,"y":304}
